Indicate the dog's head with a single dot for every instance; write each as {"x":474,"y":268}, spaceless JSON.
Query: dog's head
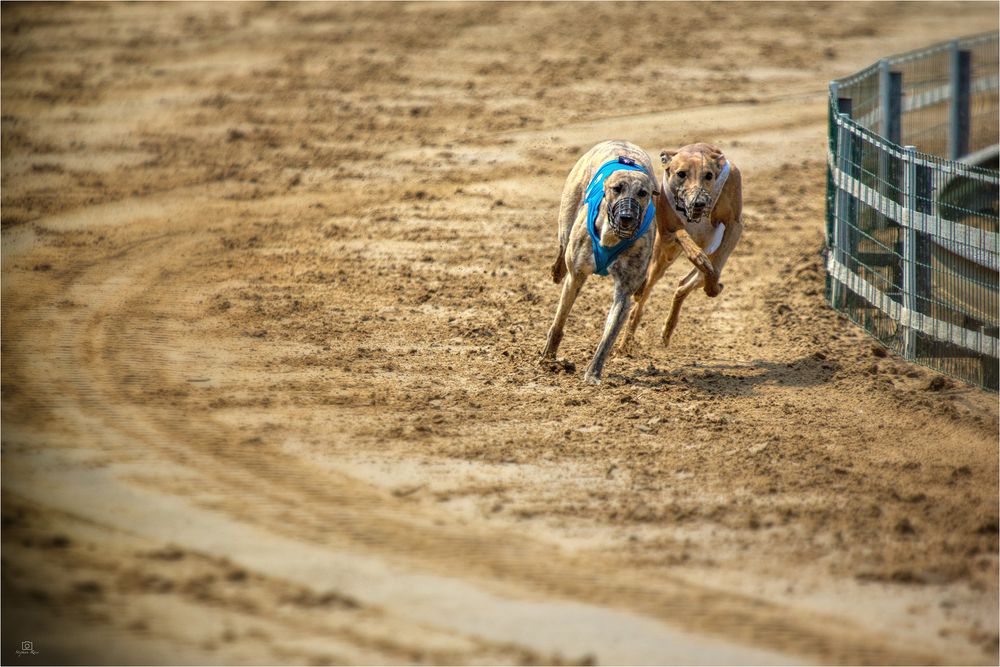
{"x":627,"y":195}
{"x":690,"y":177}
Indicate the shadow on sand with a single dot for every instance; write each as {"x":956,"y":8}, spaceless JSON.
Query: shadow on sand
{"x":736,"y":378}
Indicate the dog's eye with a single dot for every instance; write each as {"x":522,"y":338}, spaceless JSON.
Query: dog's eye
{"x":708,"y":176}
{"x":682,"y":175}
{"x":617,"y":189}
{"x":643,"y":193}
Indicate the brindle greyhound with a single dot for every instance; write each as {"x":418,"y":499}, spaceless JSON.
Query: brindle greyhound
{"x":699,"y":212}
{"x":605,"y":226}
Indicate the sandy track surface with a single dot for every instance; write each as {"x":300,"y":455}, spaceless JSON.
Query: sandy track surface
{"x":274,"y":283}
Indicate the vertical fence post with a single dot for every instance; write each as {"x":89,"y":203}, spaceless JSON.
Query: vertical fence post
{"x":843,"y":202}
{"x":918,"y":186}
{"x":890,"y":94}
{"x":924,"y":187}
{"x":909,"y":268}
{"x":891,"y":108}
{"x":831,"y":186}
{"x":960,"y":82}
{"x":895,"y":127}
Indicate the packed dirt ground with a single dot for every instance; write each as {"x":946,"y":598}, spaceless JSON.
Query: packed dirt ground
{"x":275,"y":281}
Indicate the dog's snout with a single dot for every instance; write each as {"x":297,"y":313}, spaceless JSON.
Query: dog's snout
{"x":699,"y":202}
{"x":625,"y":216}
{"x":626,"y":209}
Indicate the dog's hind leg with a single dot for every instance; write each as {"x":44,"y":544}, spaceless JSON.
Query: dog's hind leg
{"x":612,"y":327}
{"x":568,"y":210}
{"x":661,"y":262}
{"x":690,"y":282}
{"x":559,"y":266}
{"x":571,"y":288}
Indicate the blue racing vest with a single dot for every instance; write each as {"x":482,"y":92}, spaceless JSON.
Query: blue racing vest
{"x":604,"y":256}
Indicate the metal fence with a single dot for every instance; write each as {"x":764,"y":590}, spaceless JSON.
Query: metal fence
{"x":912,"y":194}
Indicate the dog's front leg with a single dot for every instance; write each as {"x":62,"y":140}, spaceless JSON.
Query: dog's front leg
{"x":671,"y":228}
{"x":729,"y":239}
{"x":664,"y":254}
{"x":571,"y":287}
{"x":612,"y":327}
{"x":695,"y":254}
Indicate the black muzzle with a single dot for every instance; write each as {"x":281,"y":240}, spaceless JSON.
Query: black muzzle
{"x":625,"y":217}
{"x":697,"y":205}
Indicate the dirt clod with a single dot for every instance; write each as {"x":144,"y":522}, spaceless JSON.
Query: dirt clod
{"x":939,"y":383}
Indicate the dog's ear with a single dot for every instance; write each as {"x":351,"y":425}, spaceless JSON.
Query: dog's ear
{"x":719,"y":157}
{"x":667,"y":156}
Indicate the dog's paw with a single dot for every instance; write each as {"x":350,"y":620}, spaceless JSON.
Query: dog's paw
{"x":591,"y":378}
{"x":702,"y":262}
{"x":713,"y":289}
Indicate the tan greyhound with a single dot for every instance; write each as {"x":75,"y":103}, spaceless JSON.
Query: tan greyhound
{"x":699,"y":212}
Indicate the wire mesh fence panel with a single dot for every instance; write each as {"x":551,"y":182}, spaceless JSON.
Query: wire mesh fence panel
{"x":912,"y":205}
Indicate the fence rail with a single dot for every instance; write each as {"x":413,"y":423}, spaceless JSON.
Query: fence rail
{"x":913,"y":187}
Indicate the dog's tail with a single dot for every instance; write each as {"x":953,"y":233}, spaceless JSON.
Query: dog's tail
{"x":559,"y":266}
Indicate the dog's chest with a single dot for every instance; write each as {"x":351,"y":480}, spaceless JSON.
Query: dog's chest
{"x":703,"y":232}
